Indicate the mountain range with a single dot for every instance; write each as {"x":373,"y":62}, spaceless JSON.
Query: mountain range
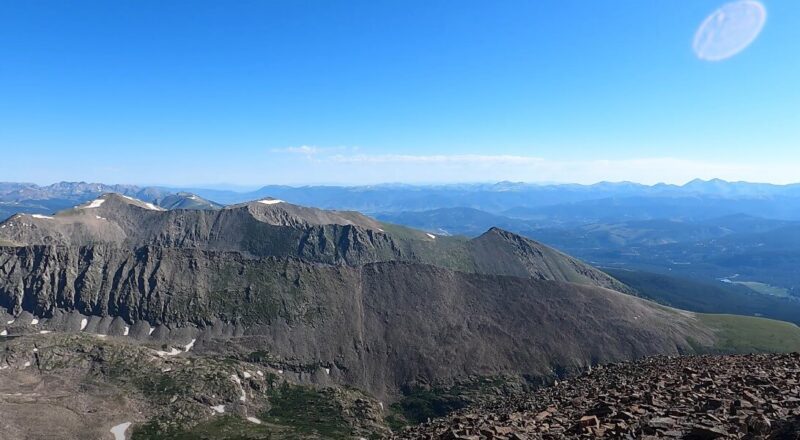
{"x":214,"y":321}
{"x":310,"y":296}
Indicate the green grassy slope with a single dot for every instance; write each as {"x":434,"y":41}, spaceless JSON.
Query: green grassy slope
{"x":708,"y":296}
{"x":746,"y":334}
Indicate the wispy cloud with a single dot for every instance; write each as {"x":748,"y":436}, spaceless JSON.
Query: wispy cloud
{"x":303,"y":149}
{"x":437,"y":159}
{"x":312,"y":150}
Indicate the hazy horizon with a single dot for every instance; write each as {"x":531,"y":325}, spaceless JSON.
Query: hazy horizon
{"x":248,"y":188}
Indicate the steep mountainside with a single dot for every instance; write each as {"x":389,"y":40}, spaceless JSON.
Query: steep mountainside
{"x":273,"y":228}
{"x":377,"y":325}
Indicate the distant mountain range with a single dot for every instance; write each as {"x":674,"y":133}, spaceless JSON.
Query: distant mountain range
{"x":698,"y":198}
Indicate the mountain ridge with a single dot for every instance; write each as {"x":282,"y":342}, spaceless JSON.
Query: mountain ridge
{"x":271,"y":227}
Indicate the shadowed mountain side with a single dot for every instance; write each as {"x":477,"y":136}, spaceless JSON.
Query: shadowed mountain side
{"x":504,"y":253}
{"x":378,"y":326}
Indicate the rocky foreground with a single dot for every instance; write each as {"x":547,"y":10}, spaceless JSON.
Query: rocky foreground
{"x":701,"y":397}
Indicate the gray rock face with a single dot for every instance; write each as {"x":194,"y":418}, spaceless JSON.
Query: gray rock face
{"x":380,"y":324}
{"x":379,"y":305}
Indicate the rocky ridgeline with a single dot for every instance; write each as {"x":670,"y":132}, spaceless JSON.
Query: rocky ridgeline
{"x":704,"y":397}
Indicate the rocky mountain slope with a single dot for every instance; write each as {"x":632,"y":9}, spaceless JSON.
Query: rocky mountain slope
{"x":708,"y":397}
{"x":377,"y":326}
{"x":273,"y":228}
{"x":88,"y":386}
{"x":326,"y":298}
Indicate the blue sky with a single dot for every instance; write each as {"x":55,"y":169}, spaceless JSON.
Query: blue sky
{"x":298,"y":92}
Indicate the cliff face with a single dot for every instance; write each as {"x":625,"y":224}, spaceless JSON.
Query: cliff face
{"x":376,"y":305}
{"x":377,"y":326}
{"x":259,"y":230}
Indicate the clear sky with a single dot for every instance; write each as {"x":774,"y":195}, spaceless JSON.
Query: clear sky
{"x":263,"y":92}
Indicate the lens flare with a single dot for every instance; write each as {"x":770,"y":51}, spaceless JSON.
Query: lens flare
{"x":729,"y":30}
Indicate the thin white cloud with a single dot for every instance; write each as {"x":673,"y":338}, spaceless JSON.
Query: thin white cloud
{"x":437,"y":159}
{"x":303,"y":149}
{"x":312,"y":150}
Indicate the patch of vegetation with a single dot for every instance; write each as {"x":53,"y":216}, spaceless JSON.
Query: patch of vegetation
{"x":708,"y":296}
{"x":421,"y":405}
{"x":259,"y":356}
{"x":403,"y":232}
{"x":218,"y":428}
{"x":307,"y":411}
{"x":763,"y":288}
{"x":746,"y":334}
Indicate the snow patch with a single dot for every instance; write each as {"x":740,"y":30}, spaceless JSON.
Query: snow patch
{"x":126,"y":331}
{"x":246,"y":375}
{"x":219,"y":409}
{"x":149,"y":206}
{"x":84,"y":323}
{"x":152,"y":329}
{"x":254,"y":420}
{"x":238,"y":383}
{"x":4,"y":333}
{"x":44,"y":332}
{"x":271,"y":201}
{"x":431,"y":236}
{"x":41,"y":216}
{"x":100,"y":218}
{"x":94,"y":204}
{"x":9,"y":322}
{"x":280,"y":371}
{"x":328,"y":371}
{"x":261,"y":374}
{"x":34,"y":321}
{"x":3,"y":367}
{"x":189,"y":346}
{"x":173,"y":352}
{"x":119,"y":430}
{"x":27,"y":364}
